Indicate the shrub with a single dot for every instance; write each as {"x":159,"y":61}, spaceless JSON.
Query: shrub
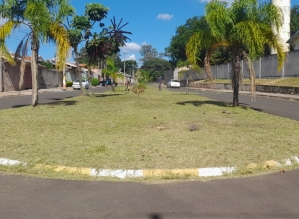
{"x":94,"y":82}
{"x":69,"y":83}
{"x":139,"y":86}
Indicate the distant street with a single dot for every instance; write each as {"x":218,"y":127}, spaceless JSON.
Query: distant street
{"x":46,"y":97}
{"x":274,"y":106}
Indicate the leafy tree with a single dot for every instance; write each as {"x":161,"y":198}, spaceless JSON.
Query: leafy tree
{"x":48,"y":65}
{"x":294,"y":25}
{"x":107,"y":43}
{"x":111,"y":70}
{"x":245,"y":28}
{"x":44,"y":19}
{"x":156,"y":67}
{"x":143,"y":76}
{"x":148,"y":52}
{"x":177,"y":48}
{"x":79,"y":29}
{"x":131,"y":65}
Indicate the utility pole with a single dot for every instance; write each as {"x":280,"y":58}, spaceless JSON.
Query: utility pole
{"x":133,"y":71}
{"x":125,"y":68}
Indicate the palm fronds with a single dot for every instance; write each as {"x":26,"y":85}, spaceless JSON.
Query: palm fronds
{"x":59,"y":34}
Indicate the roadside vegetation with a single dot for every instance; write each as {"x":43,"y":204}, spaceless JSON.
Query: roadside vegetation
{"x":162,"y":130}
{"x":289,"y":82}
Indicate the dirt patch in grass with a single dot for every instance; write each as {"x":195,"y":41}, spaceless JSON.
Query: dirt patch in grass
{"x":161,"y":130}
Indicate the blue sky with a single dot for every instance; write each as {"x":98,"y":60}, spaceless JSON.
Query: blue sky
{"x":152,"y":22}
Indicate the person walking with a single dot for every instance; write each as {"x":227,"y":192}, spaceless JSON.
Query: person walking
{"x":160,"y":80}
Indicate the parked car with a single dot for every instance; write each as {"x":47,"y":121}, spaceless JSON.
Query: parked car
{"x":108,"y":82}
{"x":76,"y":84}
{"x":174,"y":83}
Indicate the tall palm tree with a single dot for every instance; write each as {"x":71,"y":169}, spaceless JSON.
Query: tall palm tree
{"x":245,"y":27}
{"x":43,"y":18}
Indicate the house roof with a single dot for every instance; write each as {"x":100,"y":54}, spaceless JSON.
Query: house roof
{"x":28,"y":58}
{"x":294,"y":38}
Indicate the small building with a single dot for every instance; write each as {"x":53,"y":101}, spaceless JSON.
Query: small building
{"x":294,"y":41}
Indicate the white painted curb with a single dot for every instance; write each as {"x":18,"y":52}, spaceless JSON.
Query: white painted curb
{"x":9,"y":162}
{"x":215,"y":171}
{"x":116,"y":173}
{"x":122,"y":174}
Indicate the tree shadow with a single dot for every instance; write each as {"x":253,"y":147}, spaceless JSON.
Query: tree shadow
{"x":105,"y":95}
{"x":19,"y":106}
{"x":200,"y":103}
{"x":55,"y":103}
{"x":62,"y":103}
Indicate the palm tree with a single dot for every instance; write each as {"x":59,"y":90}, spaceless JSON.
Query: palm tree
{"x":43,"y":18}
{"x":111,"y":70}
{"x":245,"y":28}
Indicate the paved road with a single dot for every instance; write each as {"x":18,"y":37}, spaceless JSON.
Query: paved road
{"x":46,"y":97}
{"x":275,"y":106}
{"x":274,"y":196}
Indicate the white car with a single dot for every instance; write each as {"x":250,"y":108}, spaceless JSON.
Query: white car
{"x":76,"y":84}
{"x":174,"y":83}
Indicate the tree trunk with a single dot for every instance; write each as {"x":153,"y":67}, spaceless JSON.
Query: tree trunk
{"x":89,"y":80}
{"x":34,"y":70}
{"x":112,"y":86}
{"x":78,"y":70}
{"x":236,"y":68}
{"x":208,"y":70}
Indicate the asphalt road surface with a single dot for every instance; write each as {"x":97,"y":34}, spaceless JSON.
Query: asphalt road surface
{"x":274,"y":196}
{"x":274,"y":106}
{"x":46,"y":97}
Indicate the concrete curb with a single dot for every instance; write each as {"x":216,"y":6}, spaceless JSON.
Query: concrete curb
{"x":122,"y":173}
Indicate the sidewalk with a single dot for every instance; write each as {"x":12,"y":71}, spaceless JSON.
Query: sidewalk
{"x":29,"y":92}
{"x":275,"y":95}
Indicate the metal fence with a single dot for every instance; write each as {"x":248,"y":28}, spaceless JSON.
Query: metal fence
{"x":265,"y":67}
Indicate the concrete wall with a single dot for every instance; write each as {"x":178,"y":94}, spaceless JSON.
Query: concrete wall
{"x":50,"y":78}
{"x":11,"y":77}
{"x":265,"y":67}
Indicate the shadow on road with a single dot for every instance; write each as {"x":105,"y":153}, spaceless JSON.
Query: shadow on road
{"x":56,"y":103}
{"x":200,"y":103}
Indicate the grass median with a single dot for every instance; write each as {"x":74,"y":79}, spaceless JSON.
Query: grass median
{"x":155,"y":130}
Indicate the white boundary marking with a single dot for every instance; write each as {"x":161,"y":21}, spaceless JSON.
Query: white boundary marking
{"x":9,"y":162}
{"x":215,"y":171}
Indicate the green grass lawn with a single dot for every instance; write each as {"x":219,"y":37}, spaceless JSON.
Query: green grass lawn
{"x":153,"y":130}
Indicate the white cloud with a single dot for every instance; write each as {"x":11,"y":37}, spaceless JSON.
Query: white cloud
{"x":144,"y":43}
{"x":132,"y":57}
{"x":165,"y":16}
{"x":128,"y":57}
{"x":130,"y":47}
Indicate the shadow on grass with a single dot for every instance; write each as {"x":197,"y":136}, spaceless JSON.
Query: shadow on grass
{"x":19,"y":106}
{"x":62,"y":103}
{"x":200,"y":103}
{"x":55,"y":103}
{"x":105,"y":95}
